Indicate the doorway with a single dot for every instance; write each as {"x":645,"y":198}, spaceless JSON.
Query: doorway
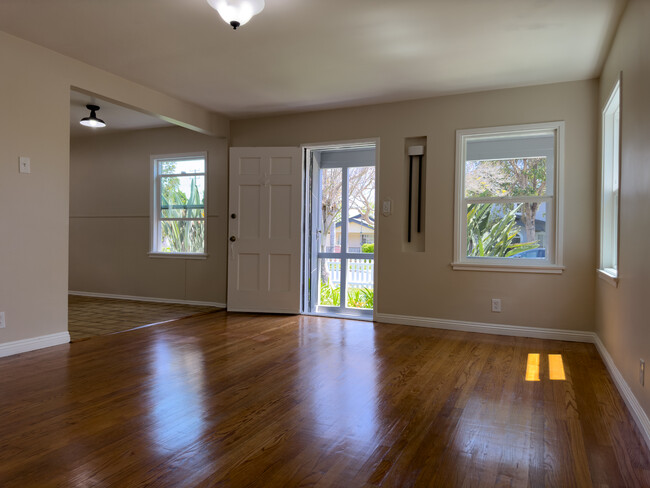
{"x":124,"y":271}
{"x":340,"y":230}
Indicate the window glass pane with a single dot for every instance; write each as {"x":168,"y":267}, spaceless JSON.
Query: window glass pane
{"x":361,"y":209}
{"x":506,"y":177}
{"x":187,"y":166}
{"x":359,"y":282}
{"x":182,"y":196}
{"x":330,"y":223}
{"x":610,"y":184}
{"x":329,"y":286}
{"x":186,"y":236}
{"x":526,"y":144}
{"x":514,"y":230}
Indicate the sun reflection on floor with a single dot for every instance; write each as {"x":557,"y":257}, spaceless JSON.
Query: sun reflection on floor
{"x":555,"y":367}
{"x":341,"y":368}
{"x":177,"y":408}
{"x":532,"y":367}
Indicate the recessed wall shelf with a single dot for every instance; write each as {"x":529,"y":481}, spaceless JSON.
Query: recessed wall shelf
{"x":415,"y":191}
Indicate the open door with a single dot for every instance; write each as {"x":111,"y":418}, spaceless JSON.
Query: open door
{"x":264,"y":229}
{"x":340,"y":236}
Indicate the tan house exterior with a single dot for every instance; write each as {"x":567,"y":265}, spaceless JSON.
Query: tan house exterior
{"x":359,"y":232}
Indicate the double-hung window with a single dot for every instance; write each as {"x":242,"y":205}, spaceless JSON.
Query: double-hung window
{"x":178,"y":214}
{"x":508,"y":210}
{"x":609,"y":194}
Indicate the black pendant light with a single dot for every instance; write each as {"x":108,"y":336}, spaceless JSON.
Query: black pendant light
{"x":92,"y":121}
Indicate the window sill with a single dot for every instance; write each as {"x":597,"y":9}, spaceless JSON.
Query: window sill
{"x":547,"y":269}
{"x":177,"y":255}
{"x":609,"y":276}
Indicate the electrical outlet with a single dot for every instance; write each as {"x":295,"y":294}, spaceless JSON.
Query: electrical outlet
{"x":496,"y":305}
{"x":2,"y":320}
{"x":642,"y":372}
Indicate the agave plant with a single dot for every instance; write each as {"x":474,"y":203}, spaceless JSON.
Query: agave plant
{"x":330,"y":295}
{"x":184,"y":236}
{"x":368,"y":295}
{"x":492,"y":235}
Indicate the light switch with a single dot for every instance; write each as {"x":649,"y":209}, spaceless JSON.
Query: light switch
{"x":25,"y":165}
{"x":386,"y":208}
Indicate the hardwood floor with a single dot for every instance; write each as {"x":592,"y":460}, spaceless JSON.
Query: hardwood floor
{"x":238,"y":400}
{"x":93,"y":316}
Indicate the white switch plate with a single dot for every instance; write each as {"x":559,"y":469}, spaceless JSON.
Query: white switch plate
{"x":25,"y":165}
{"x":642,"y":372}
{"x":386,"y":207}
{"x":2,"y":320}
{"x":496,"y":305}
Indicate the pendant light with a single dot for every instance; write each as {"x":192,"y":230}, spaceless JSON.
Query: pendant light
{"x":237,"y":12}
{"x":92,"y":121}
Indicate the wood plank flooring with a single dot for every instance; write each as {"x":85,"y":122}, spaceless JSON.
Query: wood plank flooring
{"x":239,"y":400}
{"x":93,"y":316}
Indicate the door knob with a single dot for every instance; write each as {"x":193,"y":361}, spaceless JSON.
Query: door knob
{"x":233,"y":238}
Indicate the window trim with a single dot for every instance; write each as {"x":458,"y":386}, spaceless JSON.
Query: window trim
{"x":608,"y":158}
{"x":554,"y":264}
{"x":154,"y":201}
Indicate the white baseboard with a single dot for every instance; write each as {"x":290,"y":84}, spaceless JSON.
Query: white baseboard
{"x":485,"y":328}
{"x":257,"y":310}
{"x":640,"y":417}
{"x":146,"y":299}
{"x":26,"y":345}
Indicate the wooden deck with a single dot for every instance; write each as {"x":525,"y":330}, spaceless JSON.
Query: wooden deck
{"x":238,"y":400}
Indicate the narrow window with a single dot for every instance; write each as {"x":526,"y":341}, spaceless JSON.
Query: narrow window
{"x":178,"y":217}
{"x":507,"y":206}
{"x":609,"y":199}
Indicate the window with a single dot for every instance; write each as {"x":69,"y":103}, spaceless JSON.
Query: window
{"x":178,"y":216}
{"x":508,"y":213}
{"x":367,"y":238}
{"x":609,"y":195}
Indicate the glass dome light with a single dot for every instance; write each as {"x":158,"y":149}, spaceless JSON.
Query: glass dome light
{"x":237,"y":12}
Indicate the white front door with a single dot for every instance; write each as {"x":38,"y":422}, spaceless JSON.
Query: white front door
{"x":264,"y":229}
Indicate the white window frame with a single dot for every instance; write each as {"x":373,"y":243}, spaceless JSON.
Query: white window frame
{"x":610,"y":187}
{"x":154,"y":216}
{"x":553,"y":263}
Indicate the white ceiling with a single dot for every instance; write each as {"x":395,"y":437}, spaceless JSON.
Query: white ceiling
{"x":117,"y":118}
{"x":308,"y":54}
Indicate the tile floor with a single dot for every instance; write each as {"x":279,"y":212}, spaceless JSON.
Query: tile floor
{"x":93,"y":316}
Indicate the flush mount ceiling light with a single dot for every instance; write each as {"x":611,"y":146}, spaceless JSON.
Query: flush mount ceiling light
{"x":237,"y":12}
{"x":92,"y":121}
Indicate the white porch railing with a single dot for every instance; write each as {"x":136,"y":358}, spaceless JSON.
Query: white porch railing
{"x":360,"y":272}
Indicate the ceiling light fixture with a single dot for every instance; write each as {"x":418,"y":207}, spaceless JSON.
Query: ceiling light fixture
{"x":92,"y":121}
{"x":237,"y":12}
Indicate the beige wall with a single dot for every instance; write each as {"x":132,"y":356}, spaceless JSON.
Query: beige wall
{"x":34,"y":220}
{"x":422,"y":283}
{"x":622,"y":315}
{"x":109,"y":217}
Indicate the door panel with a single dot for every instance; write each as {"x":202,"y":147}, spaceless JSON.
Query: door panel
{"x":279,"y":272}
{"x":281,"y":166}
{"x":249,"y":211}
{"x":248,"y":278}
{"x":280,"y":206}
{"x":249,"y":166}
{"x":264,"y":258}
